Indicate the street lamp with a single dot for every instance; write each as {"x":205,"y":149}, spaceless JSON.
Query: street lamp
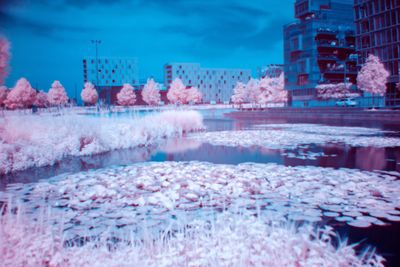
{"x":96,"y":43}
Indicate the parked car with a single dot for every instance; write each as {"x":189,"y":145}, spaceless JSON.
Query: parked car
{"x":346,"y":102}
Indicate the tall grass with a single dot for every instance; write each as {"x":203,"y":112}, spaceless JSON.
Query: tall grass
{"x":29,"y":140}
{"x":229,"y":239}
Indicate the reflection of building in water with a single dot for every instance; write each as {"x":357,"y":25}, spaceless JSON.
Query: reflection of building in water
{"x":227,"y":155}
{"x":371,"y":158}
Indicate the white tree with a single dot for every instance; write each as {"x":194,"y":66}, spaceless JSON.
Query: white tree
{"x":151,"y":92}
{"x":126,"y":97}
{"x":193,"y":95}
{"x":253,"y":90}
{"x":272,"y":90}
{"x":240,"y":94}
{"x":176,"y":93}
{"x":373,"y":76}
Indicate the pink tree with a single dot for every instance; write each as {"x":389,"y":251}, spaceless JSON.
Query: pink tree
{"x":41,"y":100}
{"x":373,"y":76}
{"x":193,"y":95}
{"x":240,"y":94}
{"x":126,"y":97}
{"x":89,"y":94}
{"x":57,"y":95}
{"x":21,"y":96}
{"x":176,"y":93}
{"x":253,"y":90}
{"x":151,"y":92}
{"x":3,"y":94}
{"x":272,"y":90}
{"x":4,"y":58}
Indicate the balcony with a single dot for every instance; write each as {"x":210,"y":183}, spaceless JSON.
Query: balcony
{"x":327,"y":57}
{"x":341,"y":71}
{"x":326,"y":33}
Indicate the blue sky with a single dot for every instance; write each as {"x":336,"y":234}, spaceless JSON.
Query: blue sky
{"x":50,"y":37}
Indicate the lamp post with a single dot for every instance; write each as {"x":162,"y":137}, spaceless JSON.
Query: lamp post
{"x":96,"y":43}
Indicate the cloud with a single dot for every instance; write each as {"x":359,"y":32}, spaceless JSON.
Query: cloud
{"x":42,"y":28}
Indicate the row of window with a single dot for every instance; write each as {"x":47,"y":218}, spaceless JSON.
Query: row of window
{"x":106,"y":61}
{"x":371,"y":7}
{"x":380,"y":38}
{"x":384,"y":20}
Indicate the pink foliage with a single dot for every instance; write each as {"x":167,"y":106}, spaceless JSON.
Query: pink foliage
{"x":151,"y":92}
{"x":3,"y":94}
{"x":57,"y":95}
{"x":193,"y":95}
{"x":4,"y":58}
{"x":373,"y":76}
{"x":41,"y":100}
{"x":176,"y":93}
{"x":240,"y":94}
{"x":253,"y":90}
{"x":21,"y":96}
{"x":335,"y":90}
{"x":272,"y":90}
{"x":126,"y":97}
{"x":89,"y":94}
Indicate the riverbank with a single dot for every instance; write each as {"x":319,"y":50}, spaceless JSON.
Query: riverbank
{"x":331,"y":113}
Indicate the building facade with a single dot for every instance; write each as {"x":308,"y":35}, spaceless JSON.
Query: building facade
{"x":378,"y":32}
{"x":271,"y":70}
{"x":108,"y":74}
{"x":319,"y":48}
{"x":215,"y":84}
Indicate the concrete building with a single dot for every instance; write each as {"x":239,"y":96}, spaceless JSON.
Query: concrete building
{"x":215,"y":84}
{"x":271,"y":70}
{"x":319,"y":48}
{"x":108,"y":74}
{"x":378,"y":32}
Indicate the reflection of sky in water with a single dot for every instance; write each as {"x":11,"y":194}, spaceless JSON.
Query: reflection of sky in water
{"x":329,"y":155}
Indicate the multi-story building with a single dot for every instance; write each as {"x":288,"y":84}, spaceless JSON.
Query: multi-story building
{"x":215,"y":84}
{"x":108,"y":74}
{"x":319,"y":48}
{"x":378,"y":32}
{"x":271,"y":70}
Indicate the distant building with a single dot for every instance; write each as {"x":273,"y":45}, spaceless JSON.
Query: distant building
{"x":215,"y":84}
{"x":319,"y":48}
{"x":378,"y":33}
{"x":271,"y":70}
{"x":112,"y":73}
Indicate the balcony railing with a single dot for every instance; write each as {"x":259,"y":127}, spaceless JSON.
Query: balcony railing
{"x":327,"y":31}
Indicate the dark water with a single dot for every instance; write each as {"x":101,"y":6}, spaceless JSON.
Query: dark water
{"x":384,"y":238}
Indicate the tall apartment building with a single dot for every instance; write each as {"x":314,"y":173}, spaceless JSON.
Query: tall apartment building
{"x":319,"y":48}
{"x":378,"y":32}
{"x":271,"y":70}
{"x":108,"y":74}
{"x":215,"y":84}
